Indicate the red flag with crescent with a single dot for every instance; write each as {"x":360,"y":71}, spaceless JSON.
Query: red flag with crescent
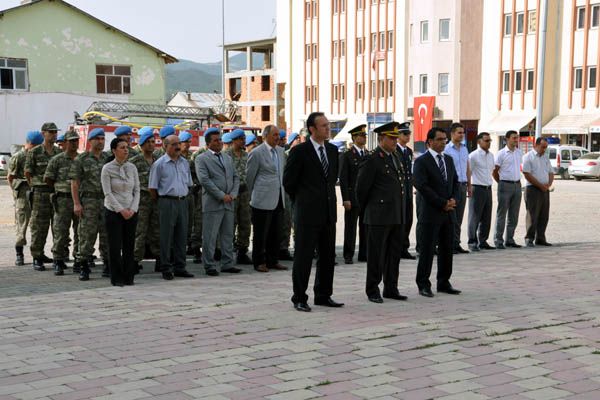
{"x":423,"y":117}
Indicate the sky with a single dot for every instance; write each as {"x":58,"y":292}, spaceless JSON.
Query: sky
{"x":185,"y":29}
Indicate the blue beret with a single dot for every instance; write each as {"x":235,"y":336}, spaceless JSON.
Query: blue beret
{"x":144,"y":130}
{"x":34,"y":137}
{"x":227,"y":137}
{"x":250,"y":138}
{"x":282,"y":133}
{"x":147,"y":134}
{"x":185,"y":136}
{"x":237,"y":134}
{"x":94,"y":133}
{"x":60,"y":138}
{"x":123,"y":130}
{"x":211,"y":130}
{"x":166,"y":130}
{"x":293,"y":136}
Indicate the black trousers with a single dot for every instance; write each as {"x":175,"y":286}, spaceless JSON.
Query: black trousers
{"x":384,"y":250}
{"x":173,"y":224}
{"x":266,"y":225}
{"x":430,"y":234}
{"x":351,"y":218}
{"x":407,"y":226}
{"x":121,"y":241}
{"x":309,"y":238}
{"x":538,"y":212}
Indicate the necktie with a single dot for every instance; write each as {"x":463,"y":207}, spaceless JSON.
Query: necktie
{"x":274,"y":158}
{"x":442,"y":167}
{"x":362,"y":153}
{"x":324,"y":162}
{"x":220,"y":158}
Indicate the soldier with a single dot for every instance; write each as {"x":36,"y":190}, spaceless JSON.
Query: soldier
{"x":379,"y":193}
{"x":60,"y":141}
{"x":20,"y":187}
{"x":185,"y":141}
{"x":251,"y":142}
{"x":286,"y":226}
{"x":165,"y":131}
{"x":405,"y":154}
{"x":124,"y":132}
{"x":349,"y":164}
{"x":196,"y":238}
{"x":57,"y":176}
{"x":41,"y":208}
{"x":241,"y":213}
{"x":88,"y":203}
{"x":147,"y":229}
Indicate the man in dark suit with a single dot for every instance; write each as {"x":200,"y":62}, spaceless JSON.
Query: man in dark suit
{"x":309,"y":178}
{"x":349,"y":162}
{"x":406,"y":156}
{"x":379,"y":191}
{"x":437,"y":189}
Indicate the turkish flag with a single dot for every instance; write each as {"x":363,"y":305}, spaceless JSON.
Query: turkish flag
{"x":423,"y":117}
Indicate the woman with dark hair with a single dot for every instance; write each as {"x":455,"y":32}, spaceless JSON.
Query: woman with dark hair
{"x":121,"y":187}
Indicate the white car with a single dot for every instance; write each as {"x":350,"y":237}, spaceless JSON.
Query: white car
{"x":4,"y":159}
{"x":561,"y":156}
{"x":586,"y":166}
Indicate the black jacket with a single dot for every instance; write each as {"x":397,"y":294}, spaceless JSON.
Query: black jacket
{"x":407,"y":160}
{"x":350,"y":160}
{"x":311,"y":191}
{"x":379,"y":189}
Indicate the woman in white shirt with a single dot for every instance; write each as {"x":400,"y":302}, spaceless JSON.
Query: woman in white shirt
{"x":121,"y":187}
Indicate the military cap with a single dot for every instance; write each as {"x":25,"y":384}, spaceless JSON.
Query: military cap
{"x":49,"y":126}
{"x":404,"y":127}
{"x":358,"y":130}
{"x":34,"y":137}
{"x":185,"y":136}
{"x":282,"y":134}
{"x":60,"y":138}
{"x":211,"y":130}
{"x":123,"y":130}
{"x":144,"y":130}
{"x":237,"y":134}
{"x":391,"y":129}
{"x":166,"y":130}
{"x":227,"y":137}
{"x":293,"y":136}
{"x":250,"y":138}
{"x":95,"y":133}
{"x":70,"y":135}
{"x":145,"y":135}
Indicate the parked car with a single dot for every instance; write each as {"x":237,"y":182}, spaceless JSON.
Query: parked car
{"x":586,"y":166}
{"x":4,"y":159}
{"x":561,"y":157}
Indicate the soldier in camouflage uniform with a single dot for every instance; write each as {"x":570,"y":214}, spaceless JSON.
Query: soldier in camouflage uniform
{"x":41,"y":209}
{"x":124,"y":132}
{"x":88,"y":203}
{"x":57,"y":176}
{"x":147,"y":229}
{"x":196,"y":238}
{"x":242,"y":223}
{"x":20,"y":187}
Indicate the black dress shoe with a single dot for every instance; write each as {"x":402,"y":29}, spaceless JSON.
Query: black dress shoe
{"x":395,"y":296}
{"x":285,"y":255}
{"x":232,"y":270}
{"x":328,"y":302}
{"x":544,"y":243}
{"x":449,"y":289}
{"x":407,"y":256}
{"x":212,"y":272}
{"x":348,"y":261}
{"x":302,"y":307}
{"x":513,"y":245}
{"x":38,"y":265}
{"x":376,"y":299}
{"x":44,"y":258}
{"x":460,"y":250}
{"x":167,"y":276}
{"x":426,"y":292}
{"x":183,"y":274}
{"x":485,"y":246}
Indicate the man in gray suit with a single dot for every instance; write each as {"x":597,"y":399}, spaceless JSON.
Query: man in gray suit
{"x":264,"y":177}
{"x":220,"y":185}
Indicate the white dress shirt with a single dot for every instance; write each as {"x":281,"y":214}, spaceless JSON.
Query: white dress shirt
{"x":538,"y":166}
{"x":510,"y":164}
{"x":316,"y":146}
{"x":361,"y":152}
{"x":482,"y":165}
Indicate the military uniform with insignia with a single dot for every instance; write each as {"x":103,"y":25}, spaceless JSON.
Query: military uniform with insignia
{"x":405,"y":154}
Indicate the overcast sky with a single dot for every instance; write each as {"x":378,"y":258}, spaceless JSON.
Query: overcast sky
{"x":188,"y":29}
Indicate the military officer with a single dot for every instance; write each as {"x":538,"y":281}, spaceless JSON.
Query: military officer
{"x":57,"y":176}
{"x":147,"y":229}
{"x":350,"y":161}
{"x":88,"y":203}
{"x":379,"y":189}
{"x":20,"y":187}
{"x":405,"y":154}
{"x":286,"y":226}
{"x":124,"y":132}
{"x":241,"y":213}
{"x":41,"y":209}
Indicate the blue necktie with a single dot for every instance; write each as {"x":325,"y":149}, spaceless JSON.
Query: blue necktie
{"x":442,"y":167}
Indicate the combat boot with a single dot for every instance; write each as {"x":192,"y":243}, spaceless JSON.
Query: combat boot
{"x":20,"y":257}
{"x":84,"y":275}
{"x":197,"y":256}
{"x":59,"y":268}
{"x":242,"y":257}
{"x":38,"y":265}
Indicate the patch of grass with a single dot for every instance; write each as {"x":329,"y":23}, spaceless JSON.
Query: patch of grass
{"x":240,"y":333}
{"x":596,"y":352}
{"x":572,"y":346}
{"x":323,"y":383}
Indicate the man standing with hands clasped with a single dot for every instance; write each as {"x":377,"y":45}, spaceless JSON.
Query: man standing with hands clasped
{"x":437,"y":189}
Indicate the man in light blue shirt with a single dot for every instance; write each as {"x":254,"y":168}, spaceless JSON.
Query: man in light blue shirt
{"x":460,"y":155}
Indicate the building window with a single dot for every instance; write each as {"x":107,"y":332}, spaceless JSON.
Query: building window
{"x":532,"y":21}
{"x":595,"y":16}
{"x":390,"y":88}
{"x":444,"y":30}
{"x":334,"y":49}
{"x":265,"y":113}
{"x":336,"y":92}
{"x":373,"y":88}
{"x":360,"y":46}
{"x":390,"y":40}
{"x":530,"y":80}
{"x":580,"y":17}
{"x":381,"y":41}
{"x":507,"y":24}
{"x":265,"y":83}
{"x":373,"y":41}
{"x":315,"y":51}
{"x":315,"y":94}
{"x":13,"y":74}
{"x":578,"y":78}
{"x":591,"y":78}
{"x":315,"y":9}
{"x":518,"y":80}
{"x":342,"y":92}
{"x":307,"y":52}
{"x":307,"y":94}
{"x":360,"y":4}
{"x":424,"y":31}
{"x":423,"y":84}
{"x":443,"y":84}
{"x":335,"y":6}
{"x":343,"y":48}
{"x":342,"y":6}
{"x":113,"y":79}
{"x":506,"y":81}
{"x":520,"y":23}
{"x":410,"y":86}
{"x":307,"y":10}
{"x":359,"y":90}
{"x":381,"y":88}
{"x":410,"y":35}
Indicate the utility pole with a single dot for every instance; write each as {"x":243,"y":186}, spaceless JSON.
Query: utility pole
{"x":541,"y":68}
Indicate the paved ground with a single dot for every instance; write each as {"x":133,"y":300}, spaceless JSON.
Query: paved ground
{"x":526,"y":327}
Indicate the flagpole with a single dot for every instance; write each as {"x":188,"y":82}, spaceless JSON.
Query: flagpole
{"x":540,"y":81}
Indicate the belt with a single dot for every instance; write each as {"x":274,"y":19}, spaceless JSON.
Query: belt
{"x":173,"y":197}
{"x":91,"y":195}
{"x":505,"y":181}
{"x":43,"y":189}
{"x":63,"y":194}
{"x":483,"y":186}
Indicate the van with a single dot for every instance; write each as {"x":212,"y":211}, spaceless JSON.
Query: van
{"x":561,"y":156}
